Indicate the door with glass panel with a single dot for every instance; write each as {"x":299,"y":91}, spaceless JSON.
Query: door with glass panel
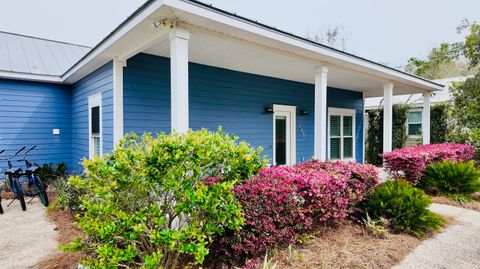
{"x":341,"y":130}
{"x":284,"y":146}
{"x":95,"y":125}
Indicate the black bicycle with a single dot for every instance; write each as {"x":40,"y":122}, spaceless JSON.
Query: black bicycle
{"x":13,"y":175}
{"x":31,"y":173}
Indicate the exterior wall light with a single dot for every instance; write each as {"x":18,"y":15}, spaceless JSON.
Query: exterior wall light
{"x":269,"y":109}
{"x":304,"y":111}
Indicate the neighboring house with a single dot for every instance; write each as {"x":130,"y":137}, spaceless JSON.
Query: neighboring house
{"x":181,"y":64}
{"x":415,"y":114}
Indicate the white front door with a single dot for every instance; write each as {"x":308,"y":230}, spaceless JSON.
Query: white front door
{"x":284,"y":142}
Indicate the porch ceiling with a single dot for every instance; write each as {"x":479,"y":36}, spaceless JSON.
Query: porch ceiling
{"x":216,"y":44}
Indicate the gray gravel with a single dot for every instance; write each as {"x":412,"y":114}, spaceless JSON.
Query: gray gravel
{"x":26,"y":237}
{"x":458,"y":246}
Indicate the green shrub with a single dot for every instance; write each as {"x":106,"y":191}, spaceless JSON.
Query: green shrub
{"x":155,"y":201}
{"x":451,"y":178}
{"x":50,"y":172}
{"x":404,"y":207}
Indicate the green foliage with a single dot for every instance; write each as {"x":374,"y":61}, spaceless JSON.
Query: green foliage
{"x":466,"y":112}
{"x":50,"y":172}
{"x":451,"y":178}
{"x":439,"y":123}
{"x":375,"y":131}
{"x":404,"y":207}
{"x":471,"y":47}
{"x":441,"y":62}
{"x":155,"y":200}
{"x":68,"y":196}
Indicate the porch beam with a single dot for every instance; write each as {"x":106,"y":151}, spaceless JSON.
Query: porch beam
{"x":320,"y":117}
{"x":387,"y":116}
{"x":426,"y":118}
{"x":179,"y":79}
{"x":118,"y":65}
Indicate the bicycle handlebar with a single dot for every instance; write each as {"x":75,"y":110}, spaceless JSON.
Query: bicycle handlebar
{"x":2,"y":151}
{"x":29,"y":150}
{"x":20,"y":150}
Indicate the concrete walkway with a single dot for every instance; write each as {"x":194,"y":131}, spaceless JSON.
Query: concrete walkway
{"x":26,"y":237}
{"x":458,"y":246}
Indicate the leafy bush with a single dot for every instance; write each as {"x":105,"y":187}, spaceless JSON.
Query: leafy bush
{"x":362,"y":178}
{"x":374,"y":143}
{"x":68,"y":197}
{"x":439,"y":126}
{"x":51,"y":172}
{"x":155,"y":200}
{"x":451,"y":178}
{"x":404,"y":207}
{"x":410,"y":163}
{"x":280,"y":204}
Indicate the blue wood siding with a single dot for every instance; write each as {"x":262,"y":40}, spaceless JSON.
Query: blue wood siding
{"x":339,"y":98}
{"x":99,"y":81}
{"x":231,"y":99}
{"x":146,"y":94}
{"x":28,"y":113}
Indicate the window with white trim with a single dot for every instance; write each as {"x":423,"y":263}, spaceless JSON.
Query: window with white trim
{"x":95,"y":125}
{"x":341,"y":134}
{"x":414,"y":126}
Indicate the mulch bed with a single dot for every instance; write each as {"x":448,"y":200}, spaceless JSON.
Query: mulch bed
{"x":347,"y":246}
{"x":473,"y":205}
{"x":67,"y":231}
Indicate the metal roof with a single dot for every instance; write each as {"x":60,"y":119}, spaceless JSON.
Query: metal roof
{"x":38,"y":56}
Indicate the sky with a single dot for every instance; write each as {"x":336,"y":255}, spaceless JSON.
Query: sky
{"x":385,"y":31}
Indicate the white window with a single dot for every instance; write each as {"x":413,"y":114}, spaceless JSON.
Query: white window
{"x":284,"y":140}
{"x":341,"y":134}
{"x":414,"y":126}
{"x":95,"y":125}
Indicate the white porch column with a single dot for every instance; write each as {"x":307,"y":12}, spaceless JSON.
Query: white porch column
{"x":426,"y":118}
{"x":118,"y":66}
{"x":320,"y":117}
{"x":387,"y":116}
{"x":179,"y":79}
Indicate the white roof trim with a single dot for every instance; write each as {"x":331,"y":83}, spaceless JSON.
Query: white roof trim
{"x":30,"y":77}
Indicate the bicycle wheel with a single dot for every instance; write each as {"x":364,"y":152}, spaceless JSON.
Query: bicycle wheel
{"x":17,"y":189}
{"x":1,"y":208}
{"x":42,"y":193}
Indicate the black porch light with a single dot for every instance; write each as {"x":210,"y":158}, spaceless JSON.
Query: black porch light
{"x":269,"y":109}
{"x":304,"y":111}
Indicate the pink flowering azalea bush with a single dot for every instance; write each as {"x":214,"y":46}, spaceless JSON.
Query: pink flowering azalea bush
{"x":284,"y":202}
{"x":362,"y":178}
{"x":410,"y":163}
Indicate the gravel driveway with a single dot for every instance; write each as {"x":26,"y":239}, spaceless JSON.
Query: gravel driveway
{"x":457,"y":247}
{"x":26,"y":237}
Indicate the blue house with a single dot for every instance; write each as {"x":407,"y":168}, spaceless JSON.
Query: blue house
{"x":180,"y":65}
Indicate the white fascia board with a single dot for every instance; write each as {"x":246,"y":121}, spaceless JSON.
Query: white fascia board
{"x":154,"y":6}
{"x":30,"y":77}
{"x":350,"y":60}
